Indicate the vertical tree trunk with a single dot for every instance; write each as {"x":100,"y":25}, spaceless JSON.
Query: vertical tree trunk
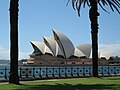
{"x":14,"y":78}
{"x":93,"y":15}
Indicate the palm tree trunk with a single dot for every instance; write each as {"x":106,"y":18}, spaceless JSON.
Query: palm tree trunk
{"x":93,"y":15}
{"x":14,"y":78}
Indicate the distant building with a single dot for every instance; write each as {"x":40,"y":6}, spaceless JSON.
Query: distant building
{"x":59,"y":50}
{"x":22,"y":62}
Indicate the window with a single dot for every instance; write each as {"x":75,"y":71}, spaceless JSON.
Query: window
{"x":73,"y":62}
{"x":62,"y":62}
{"x":23,"y":72}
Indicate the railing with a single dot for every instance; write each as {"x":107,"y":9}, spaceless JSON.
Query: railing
{"x":59,"y":71}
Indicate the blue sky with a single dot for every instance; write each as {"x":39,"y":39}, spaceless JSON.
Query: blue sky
{"x":37,"y":18}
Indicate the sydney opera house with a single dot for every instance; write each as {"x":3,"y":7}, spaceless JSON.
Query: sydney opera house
{"x":59,"y":50}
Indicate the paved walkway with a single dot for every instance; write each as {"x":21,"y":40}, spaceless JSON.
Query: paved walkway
{"x":21,"y":81}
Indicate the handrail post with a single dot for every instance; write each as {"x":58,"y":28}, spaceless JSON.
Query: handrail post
{"x":27,"y":72}
{"x":20,"y":72}
{"x":33,"y":72}
{"x":5,"y":73}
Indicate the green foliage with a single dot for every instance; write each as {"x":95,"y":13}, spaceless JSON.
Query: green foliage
{"x":115,"y":57}
{"x":104,"y":83}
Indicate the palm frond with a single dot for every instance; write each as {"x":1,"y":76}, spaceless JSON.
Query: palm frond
{"x":113,"y":4}
{"x":67,"y":2}
{"x":78,"y":4}
{"x":73,"y":2}
{"x":116,"y":5}
{"x":103,"y":7}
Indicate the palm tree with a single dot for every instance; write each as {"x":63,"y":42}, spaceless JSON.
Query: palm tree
{"x":14,"y":78}
{"x":93,"y":16}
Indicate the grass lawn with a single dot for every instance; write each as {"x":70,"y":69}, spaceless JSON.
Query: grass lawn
{"x":103,"y":83}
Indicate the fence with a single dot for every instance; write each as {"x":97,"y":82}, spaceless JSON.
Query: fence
{"x":59,"y":71}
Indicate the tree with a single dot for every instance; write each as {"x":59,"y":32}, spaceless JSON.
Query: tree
{"x":14,"y":78}
{"x":93,"y":16}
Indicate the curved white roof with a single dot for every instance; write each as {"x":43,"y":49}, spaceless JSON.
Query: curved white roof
{"x":86,"y":49}
{"x":47,"y":50}
{"x":64,"y":43}
{"x":58,"y":51}
{"x":39,"y":45}
{"x":42,"y":47}
{"x":106,"y":54}
{"x":50,"y":42}
{"x":53,"y":46}
{"x":60,"y":45}
{"x":78,"y":53}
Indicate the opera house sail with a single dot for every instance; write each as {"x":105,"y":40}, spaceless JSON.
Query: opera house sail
{"x":59,"y":50}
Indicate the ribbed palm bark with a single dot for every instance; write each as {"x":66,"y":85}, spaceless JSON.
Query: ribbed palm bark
{"x":14,"y":78}
{"x":93,"y":15}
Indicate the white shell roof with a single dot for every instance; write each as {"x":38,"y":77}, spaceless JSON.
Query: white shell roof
{"x":39,"y":45}
{"x":106,"y":54}
{"x":58,"y":51}
{"x":42,"y":47}
{"x":59,"y":44}
{"x":53,"y":46}
{"x":64,"y":43}
{"x":86,"y":49}
{"x":47,"y":50}
{"x":78,"y":53}
{"x":50,"y":42}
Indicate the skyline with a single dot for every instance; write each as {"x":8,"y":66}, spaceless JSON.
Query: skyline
{"x":38,"y":18}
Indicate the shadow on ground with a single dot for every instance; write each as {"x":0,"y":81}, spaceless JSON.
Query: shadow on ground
{"x":71,"y":87}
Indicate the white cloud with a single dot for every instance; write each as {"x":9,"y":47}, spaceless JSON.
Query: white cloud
{"x":5,"y":54}
{"x":23,"y":55}
{"x":111,"y":48}
{"x":118,"y":41}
